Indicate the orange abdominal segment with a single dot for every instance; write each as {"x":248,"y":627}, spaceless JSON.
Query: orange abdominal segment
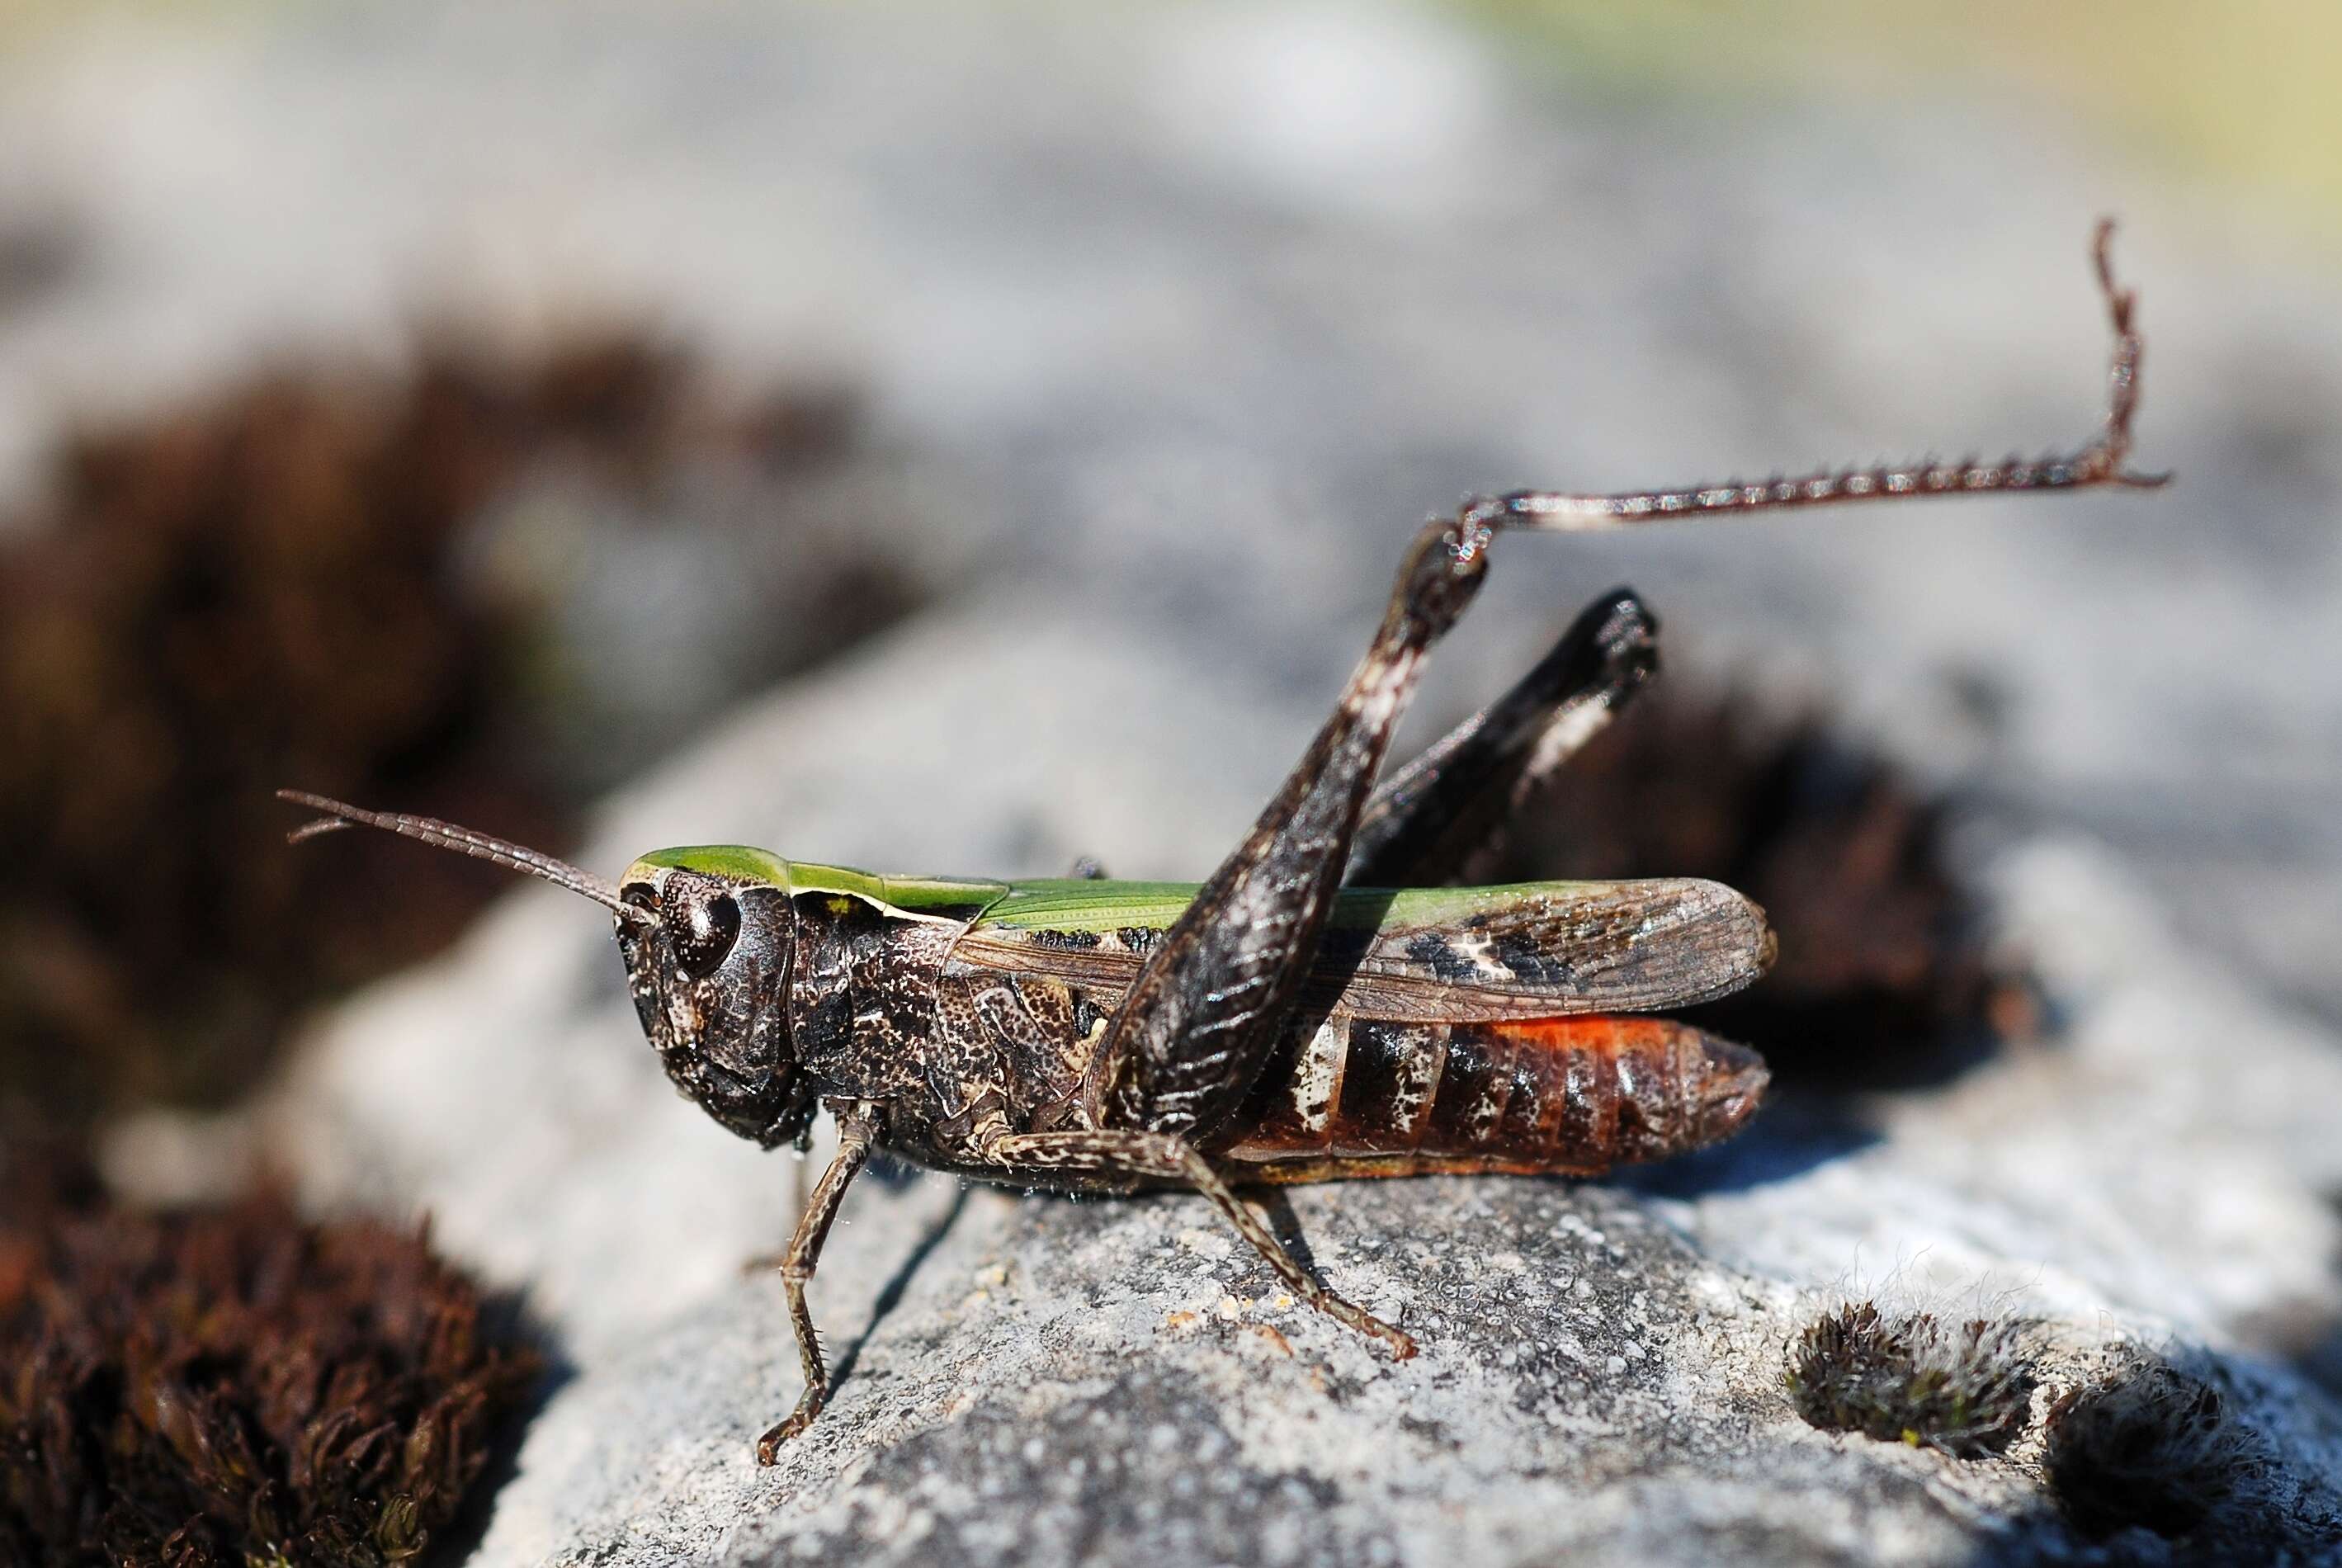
{"x":1364,"y":1097}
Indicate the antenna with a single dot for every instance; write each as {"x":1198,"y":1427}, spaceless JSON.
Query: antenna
{"x":338,"y":814}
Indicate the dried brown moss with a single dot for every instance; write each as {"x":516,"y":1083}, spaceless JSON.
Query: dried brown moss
{"x":264,"y":588}
{"x":1964,"y":1389}
{"x":234,"y":1386}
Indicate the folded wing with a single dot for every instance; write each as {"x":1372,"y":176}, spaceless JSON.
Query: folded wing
{"x":1528,"y":949}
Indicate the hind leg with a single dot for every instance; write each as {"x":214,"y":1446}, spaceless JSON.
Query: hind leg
{"x":1202,"y":1019}
{"x":1432,"y":817}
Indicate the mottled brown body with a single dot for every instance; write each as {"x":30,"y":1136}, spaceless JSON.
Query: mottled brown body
{"x":1347,"y":1097}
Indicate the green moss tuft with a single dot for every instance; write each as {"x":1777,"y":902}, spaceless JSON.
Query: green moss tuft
{"x":1964,"y":1389}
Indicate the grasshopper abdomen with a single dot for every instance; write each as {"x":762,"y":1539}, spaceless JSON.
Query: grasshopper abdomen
{"x":1570,"y":1096}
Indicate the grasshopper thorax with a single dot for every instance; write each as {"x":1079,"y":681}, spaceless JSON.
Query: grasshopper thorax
{"x":710,"y":972}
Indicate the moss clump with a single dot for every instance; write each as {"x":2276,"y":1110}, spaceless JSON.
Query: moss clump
{"x":234,"y":1386}
{"x":1964,"y":1389}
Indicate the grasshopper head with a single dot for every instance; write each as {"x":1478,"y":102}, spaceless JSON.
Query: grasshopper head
{"x":707,"y":937}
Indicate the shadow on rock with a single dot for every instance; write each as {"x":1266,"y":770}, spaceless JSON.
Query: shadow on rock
{"x":899,"y":1285}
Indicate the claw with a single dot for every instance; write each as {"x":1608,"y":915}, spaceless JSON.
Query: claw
{"x":768,"y":1447}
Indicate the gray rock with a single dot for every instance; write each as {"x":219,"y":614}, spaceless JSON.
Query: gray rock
{"x":1032,"y":1380}
{"x":1064,"y":1382}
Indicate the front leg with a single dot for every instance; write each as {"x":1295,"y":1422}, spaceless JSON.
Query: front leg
{"x":1199,"y":1024}
{"x":855,"y":1132}
{"x":1166,"y":1156}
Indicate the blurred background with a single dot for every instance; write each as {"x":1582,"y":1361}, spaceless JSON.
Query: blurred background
{"x":463,"y":407}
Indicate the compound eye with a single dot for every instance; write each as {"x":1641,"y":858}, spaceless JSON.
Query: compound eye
{"x":703,"y":930}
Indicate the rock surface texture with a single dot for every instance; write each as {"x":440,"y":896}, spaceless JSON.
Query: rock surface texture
{"x":1204,"y":306}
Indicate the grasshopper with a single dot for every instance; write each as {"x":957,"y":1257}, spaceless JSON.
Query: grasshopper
{"x":1303,"y":1015}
